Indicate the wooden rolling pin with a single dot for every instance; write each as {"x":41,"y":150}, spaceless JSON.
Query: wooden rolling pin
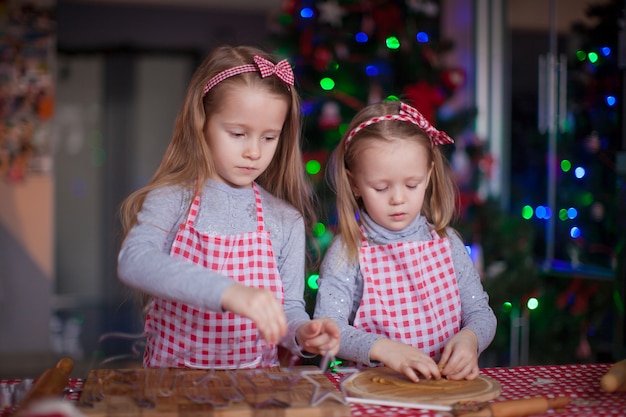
{"x":615,"y":378}
{"x":519,"y":408}
{"x":51,"y":384}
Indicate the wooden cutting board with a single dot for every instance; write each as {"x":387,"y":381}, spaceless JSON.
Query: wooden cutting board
{"x":385,"y":384}
{"x":205,"y":393}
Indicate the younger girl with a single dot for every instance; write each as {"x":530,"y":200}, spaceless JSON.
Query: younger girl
{"x":217,"y":238}
{"x":397,"y":279}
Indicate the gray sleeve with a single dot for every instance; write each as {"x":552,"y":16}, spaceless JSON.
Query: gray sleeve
{"x":477,"y":315}
{"x":291,"y":264}
{"x":339,"y":296}
{"x":144,"y":262}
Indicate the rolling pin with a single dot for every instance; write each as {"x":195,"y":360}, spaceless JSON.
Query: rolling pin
{"x":519,"y":408}
{"x":51,"y":383}
{"x":615,"y":378}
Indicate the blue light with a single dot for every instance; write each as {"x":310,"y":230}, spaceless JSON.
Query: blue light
{"x":361,"y":37}
{"x":548,"y":213}
{"x":579,"y":172}
{"x":422,"y":37}
{"x":306,"y":107}
{"x":611,"y":100}
{"x":572,"y":213}
{"x":540,"y":212}
{"x":469,"y":250}
{"x":371,"y":70}
{"x":574,"y":232}
{"x":606,"y":51}
{"x":306,"y":13}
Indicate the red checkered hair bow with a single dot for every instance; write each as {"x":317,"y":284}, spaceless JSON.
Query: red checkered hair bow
{"x":282,"y":70}
{"x":406,"y":114}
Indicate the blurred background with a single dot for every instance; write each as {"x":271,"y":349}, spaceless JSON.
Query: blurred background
{"x":531,"y":90}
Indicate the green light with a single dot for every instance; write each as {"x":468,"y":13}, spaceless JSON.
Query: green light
{"x":327,"y":84}
{"x":563,"y":214}
{"x":532,"y":303}
{"x":593,"y":57}
{"x":581,"y":55}
{"x":391,"y":97}
{"x":311,"y":281}
{"x":333,"y":365}
{"x":285,"y":19}
{"x":392,"y":42}
{"x":507,"y":306}
{"x":566,"y":165}
{"x":527,"y":212}
{"x":586,"y":199}
{"x":319,"y":229}
{"x":313,"y":167}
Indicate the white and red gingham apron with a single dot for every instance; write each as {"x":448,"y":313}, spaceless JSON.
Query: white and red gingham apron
{"x":181,"y":335}
{"x":410,"y":293}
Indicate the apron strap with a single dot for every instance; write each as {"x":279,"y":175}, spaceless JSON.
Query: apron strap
{"x":193,"y":210}
{"x":260,"y":221}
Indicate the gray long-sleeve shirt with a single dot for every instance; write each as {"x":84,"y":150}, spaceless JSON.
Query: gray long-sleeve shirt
{"x":144,"y":262}
{"x":341,"y":289}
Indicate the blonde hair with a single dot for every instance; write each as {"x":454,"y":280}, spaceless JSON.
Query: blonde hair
{"x":188,"y":160}
{"x":441,"y":196}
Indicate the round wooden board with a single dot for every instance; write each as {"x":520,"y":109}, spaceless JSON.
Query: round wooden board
{"x":385,"y":384}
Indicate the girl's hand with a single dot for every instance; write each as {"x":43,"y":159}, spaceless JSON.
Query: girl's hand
{"x":259,"y":305}
{"x":319,"y":336}
{"x":405,"y":359}
{"x":459,"y":359}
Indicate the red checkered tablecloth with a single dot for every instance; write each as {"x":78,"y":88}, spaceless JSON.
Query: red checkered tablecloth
{"x":580,"y":382}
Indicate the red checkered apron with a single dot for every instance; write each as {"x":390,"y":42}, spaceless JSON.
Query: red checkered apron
{"x":180,"y":335}
{"x":410,"y":293}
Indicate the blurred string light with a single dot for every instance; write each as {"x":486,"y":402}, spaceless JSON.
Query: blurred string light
{"x":306,"y":13}
{"x":579,"y":172}
{"x":313,"y":167}
{"x":544,"y":212}
{"x":392,"y":42}
{"x":532,"y":303}
{"x":611,"y":100}
{"x":311,"y":281}
{"x":592,"y":56}
{"x":568,"y":214}
{"x":371,"y":70}
{"x":327,"y":83}
{"x":306,"y":107}
{"x":422,"y":37}
{"x":361,"y":37}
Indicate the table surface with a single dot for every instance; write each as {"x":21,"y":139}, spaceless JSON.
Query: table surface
{"x":578,"y":381}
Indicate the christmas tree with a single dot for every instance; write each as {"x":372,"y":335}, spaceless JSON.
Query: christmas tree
{"x":347,"y":54}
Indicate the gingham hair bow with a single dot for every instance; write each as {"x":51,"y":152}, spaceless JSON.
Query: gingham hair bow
{"x":406,"y":114}
{"x":282,"y":70}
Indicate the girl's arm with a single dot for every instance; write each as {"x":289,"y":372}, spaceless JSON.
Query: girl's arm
{"x":477,"y":314}
{"x":290,"y":253}
{"x":144,"y":262}
{"x":338,"y":297}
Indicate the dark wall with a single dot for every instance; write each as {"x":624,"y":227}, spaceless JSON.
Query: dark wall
{"x":86,"y":26}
